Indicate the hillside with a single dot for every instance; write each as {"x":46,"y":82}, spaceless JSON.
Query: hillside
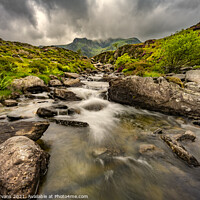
{"x":90,"y":48}
{"x":20,"y":60}
{"x":157,"y":57}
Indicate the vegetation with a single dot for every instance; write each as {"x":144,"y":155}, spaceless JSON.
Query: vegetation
{"x":20,"y":60}
{"x":157,"y":57}
{"x":90,"y":48}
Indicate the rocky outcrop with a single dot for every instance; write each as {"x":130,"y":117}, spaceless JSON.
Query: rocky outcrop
{"x":22,"y":164}
{"x":32,"y":130}
{"x":66,"y":95}
{"x":31,"y":84}
{"x":155,"y":94}
{"x":180,"y":151}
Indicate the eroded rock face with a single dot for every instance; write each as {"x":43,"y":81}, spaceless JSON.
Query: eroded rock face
{"x":158,"y":95}
{"x":32,"y":130}
{"x":22,"y":163}
{"x":31,"y":84}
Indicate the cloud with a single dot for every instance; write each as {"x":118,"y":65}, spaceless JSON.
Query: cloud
{"x":49,"y":22}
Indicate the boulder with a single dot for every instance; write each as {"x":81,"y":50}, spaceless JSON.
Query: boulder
{"x":55,"y":83}
{"x":32,"y":130}
{"x":10,"y":103}
{"x":14,"y":116}
{"x":180,"y":151}
{"x":46,"y":112}
{"x":157,"y":95}
{"x":72,"y":82}
{"x":66,"y":95}
{"x":188,"y":135}
{"x":71,"y":75}
{"x":22,"y":164}
{"x":193,"y":76}
{"x":31,"y":84}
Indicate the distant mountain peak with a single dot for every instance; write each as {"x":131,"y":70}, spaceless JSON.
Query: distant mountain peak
{"x":90,"y":47}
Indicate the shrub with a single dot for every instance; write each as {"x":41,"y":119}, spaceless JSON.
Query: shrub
{"x":40,"y":65}
{"x":4,"y":81}
{"x":6,"y":65}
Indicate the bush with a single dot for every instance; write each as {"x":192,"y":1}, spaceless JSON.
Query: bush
{"x":4,"y":81}
{"x":40,"y":65}
{"x":6,"y":65}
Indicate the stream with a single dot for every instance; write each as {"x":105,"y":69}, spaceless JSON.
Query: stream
{"x":104,"y":161}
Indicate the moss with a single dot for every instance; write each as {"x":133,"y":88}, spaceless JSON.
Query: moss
{"x":175,"y":80}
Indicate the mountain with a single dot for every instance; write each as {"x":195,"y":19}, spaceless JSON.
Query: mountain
{"x":91,"y":48}
{"x":157,"y":56}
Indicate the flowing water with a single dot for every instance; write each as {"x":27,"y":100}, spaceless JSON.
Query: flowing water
{"x":78,"y":166}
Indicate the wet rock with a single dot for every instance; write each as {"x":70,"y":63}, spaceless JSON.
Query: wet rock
{"x":72,"y":82}
{"x":158,"y":131}
{"x":193,"y":76}
{"x":196,"y":122}
{"x":60,"y":106}
{"x":13,"y":116}
{"x":10,"y":103}
{"x":180,"y":76}
{"x":71,"y":75}
{"x":70,"y":123}
{"x":32,"y":130}
{"x":150,"y":150}
{"x":188,"y":135}
{"x":34,"y":96}
{"x":180,"y":151}
{"x":95,"y":106}
{"x":47,"y":112}
{"x":158,"y":95}
{"x":63,"y":112}
{"x":22,"y":164}
{"x":107,"y":154}
{"x":3,"y":117}
{"x":66,"y":95}
{"x":73,"y":111}
{"x":31,"y":84}
{"x":55,"y":83}
{"x":1,"y":105}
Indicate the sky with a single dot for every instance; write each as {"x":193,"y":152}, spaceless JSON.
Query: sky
{"x":48,"y":22}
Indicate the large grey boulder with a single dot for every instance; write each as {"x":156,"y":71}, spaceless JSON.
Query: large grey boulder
{"x":31,"y":84}
{"x":32,"y":130}
{"x":157,"y":95}
{"x":193,"y":76}
{"x":66,"y":95}
{"x":22,"y":164}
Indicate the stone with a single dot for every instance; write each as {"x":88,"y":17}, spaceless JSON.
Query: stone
{"x":22,"y":164}
{"x":158,"y":131}
{"x":73,"y":111}
{"x":46,"y":112}
{"x":180,"y":76}
{"x":188,"y":135}
{"x":193,"y":76}
{"x":14,"y":116}
{"x":52,"y":77}
{"x":55,"y":83}
{"x":10,"y":103}
{"x":32,"y":130}
{"x":180,"y":151}
{"x":31,"y":84}
{"x":95,"y":106}
{"x":157,"y":95}
{"x":150,"y":150}
{"x":72,"y":82}
{"x":36,"y":96}
{"x":60,"y":106}
{"x":70,"y":123}
{"x":71,"y":75}
{"x":196,"y":122}
{"x":66,"y":95}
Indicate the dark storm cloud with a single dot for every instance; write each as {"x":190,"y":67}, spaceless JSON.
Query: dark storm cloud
{"x":59,"y":21}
